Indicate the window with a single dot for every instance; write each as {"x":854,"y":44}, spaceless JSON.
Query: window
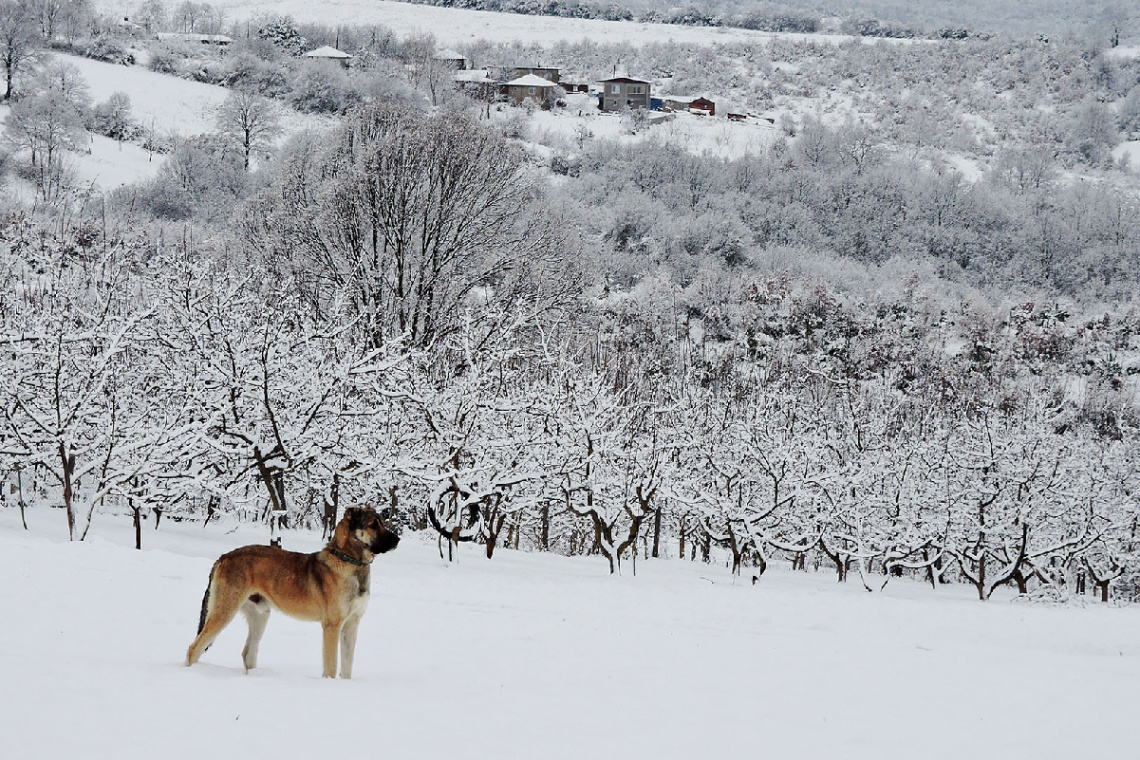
{"x":529,"y":90}
{"x":635,"y":89}
{"x":615,"y":88}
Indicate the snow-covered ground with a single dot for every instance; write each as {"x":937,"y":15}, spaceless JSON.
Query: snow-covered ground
{"x":169,"y":106}
{"x":1124,"y":51}
{"x":1131,"y":150}
{"x":455,"y":26}
{"x":111,"y":164}
{"x":698,"y":134}
{"x":165,"y":104}
{"x":540,"y":656}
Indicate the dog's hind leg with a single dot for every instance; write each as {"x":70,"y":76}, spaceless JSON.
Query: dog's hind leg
{"x":256,"y":612}
{"x":220,"y":611}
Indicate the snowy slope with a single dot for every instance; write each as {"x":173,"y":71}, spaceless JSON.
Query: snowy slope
{"x":696,"y":134}
{"x":538,"y":656}
{"x":454,"y":26}
{"x":167,"y":104}
{"x":109,"y":164}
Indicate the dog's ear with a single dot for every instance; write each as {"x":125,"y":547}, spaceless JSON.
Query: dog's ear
{"x":352,"y":515}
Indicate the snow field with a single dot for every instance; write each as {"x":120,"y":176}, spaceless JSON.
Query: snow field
{"x":168,"y":105}
{"x":542,"y":656}
{"x":455,"y":26}
{"x":714,"y":136}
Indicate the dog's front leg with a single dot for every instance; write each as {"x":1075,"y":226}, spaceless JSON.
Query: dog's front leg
{"x":332,"y":635}
{"x":348,"y":646}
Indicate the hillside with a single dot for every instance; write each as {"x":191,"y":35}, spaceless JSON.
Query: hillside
{"x":457,"y":26}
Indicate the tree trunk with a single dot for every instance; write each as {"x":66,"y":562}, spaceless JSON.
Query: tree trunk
{"x":735,"y":548}
{"x":67,"y":463}
{"x":137,"y":512}
{"x":656,"y":532}
{"x":838,"y":558}
{"x":545,"y":516}
{"x":20,"y":496}
{"x":930,"y":569}
{"x":332,"y":507}
{"x":494,"y":527}
{"x":1021,"y":581}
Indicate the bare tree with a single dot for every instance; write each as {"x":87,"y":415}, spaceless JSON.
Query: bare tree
{"x":415,"y":220}
{"x":152,"y":15}
{"x":83,"y":407}
{"x":249,"y":122}
{"x":427,"y":71}
{"x":45,"y":125}
{"x":19,"y":41}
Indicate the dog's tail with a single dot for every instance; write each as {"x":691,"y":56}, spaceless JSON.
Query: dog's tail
{"x":206,"y":600}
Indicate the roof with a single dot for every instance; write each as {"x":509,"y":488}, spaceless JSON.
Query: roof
{"x":450,"y":55}
{"x":530,"y":80}
{"x":626,"y":80}
{"x":327,"y":52}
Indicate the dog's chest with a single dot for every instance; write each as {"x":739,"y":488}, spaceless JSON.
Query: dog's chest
{"x":358,"y":591}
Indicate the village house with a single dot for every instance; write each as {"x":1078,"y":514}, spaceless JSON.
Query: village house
{"x":548,"y":73}
{"x":478,"y":83}
{"x":327,"y":53}
{"x":693,"y":104}
{"x":530,"y":87}
{"x":619,"y":93}
{"x":677,"y":102}
{"x":451,"y":58}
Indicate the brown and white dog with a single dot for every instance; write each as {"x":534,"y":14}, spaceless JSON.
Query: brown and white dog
{"x":330,"y":586}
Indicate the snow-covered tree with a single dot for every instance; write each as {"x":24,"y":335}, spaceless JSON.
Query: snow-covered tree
{"x":249,"y":121}
{"x":19,"y":41}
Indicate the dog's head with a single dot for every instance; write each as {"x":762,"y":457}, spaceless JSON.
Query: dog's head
{"x":367,"y":526}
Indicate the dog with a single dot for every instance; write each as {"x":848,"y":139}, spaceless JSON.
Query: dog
{"x":330,"y":586}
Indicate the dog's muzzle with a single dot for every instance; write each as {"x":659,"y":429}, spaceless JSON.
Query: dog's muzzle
{"x":385,"y":542}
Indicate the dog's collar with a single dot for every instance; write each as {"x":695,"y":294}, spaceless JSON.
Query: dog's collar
{"x":347,"y":558}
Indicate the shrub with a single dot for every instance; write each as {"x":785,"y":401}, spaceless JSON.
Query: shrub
{"x":165,"y":58}
{"x":112,"y":118}
{"x":247,"y":71}
{"x":321,"y":88}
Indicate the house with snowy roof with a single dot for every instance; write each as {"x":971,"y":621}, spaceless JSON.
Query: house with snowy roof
{"x":530,"y":87}
{"x":477,"y":83}
{"x":697,"y":104}
{"x":451,"y":58}
{"x":327,"y":53}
